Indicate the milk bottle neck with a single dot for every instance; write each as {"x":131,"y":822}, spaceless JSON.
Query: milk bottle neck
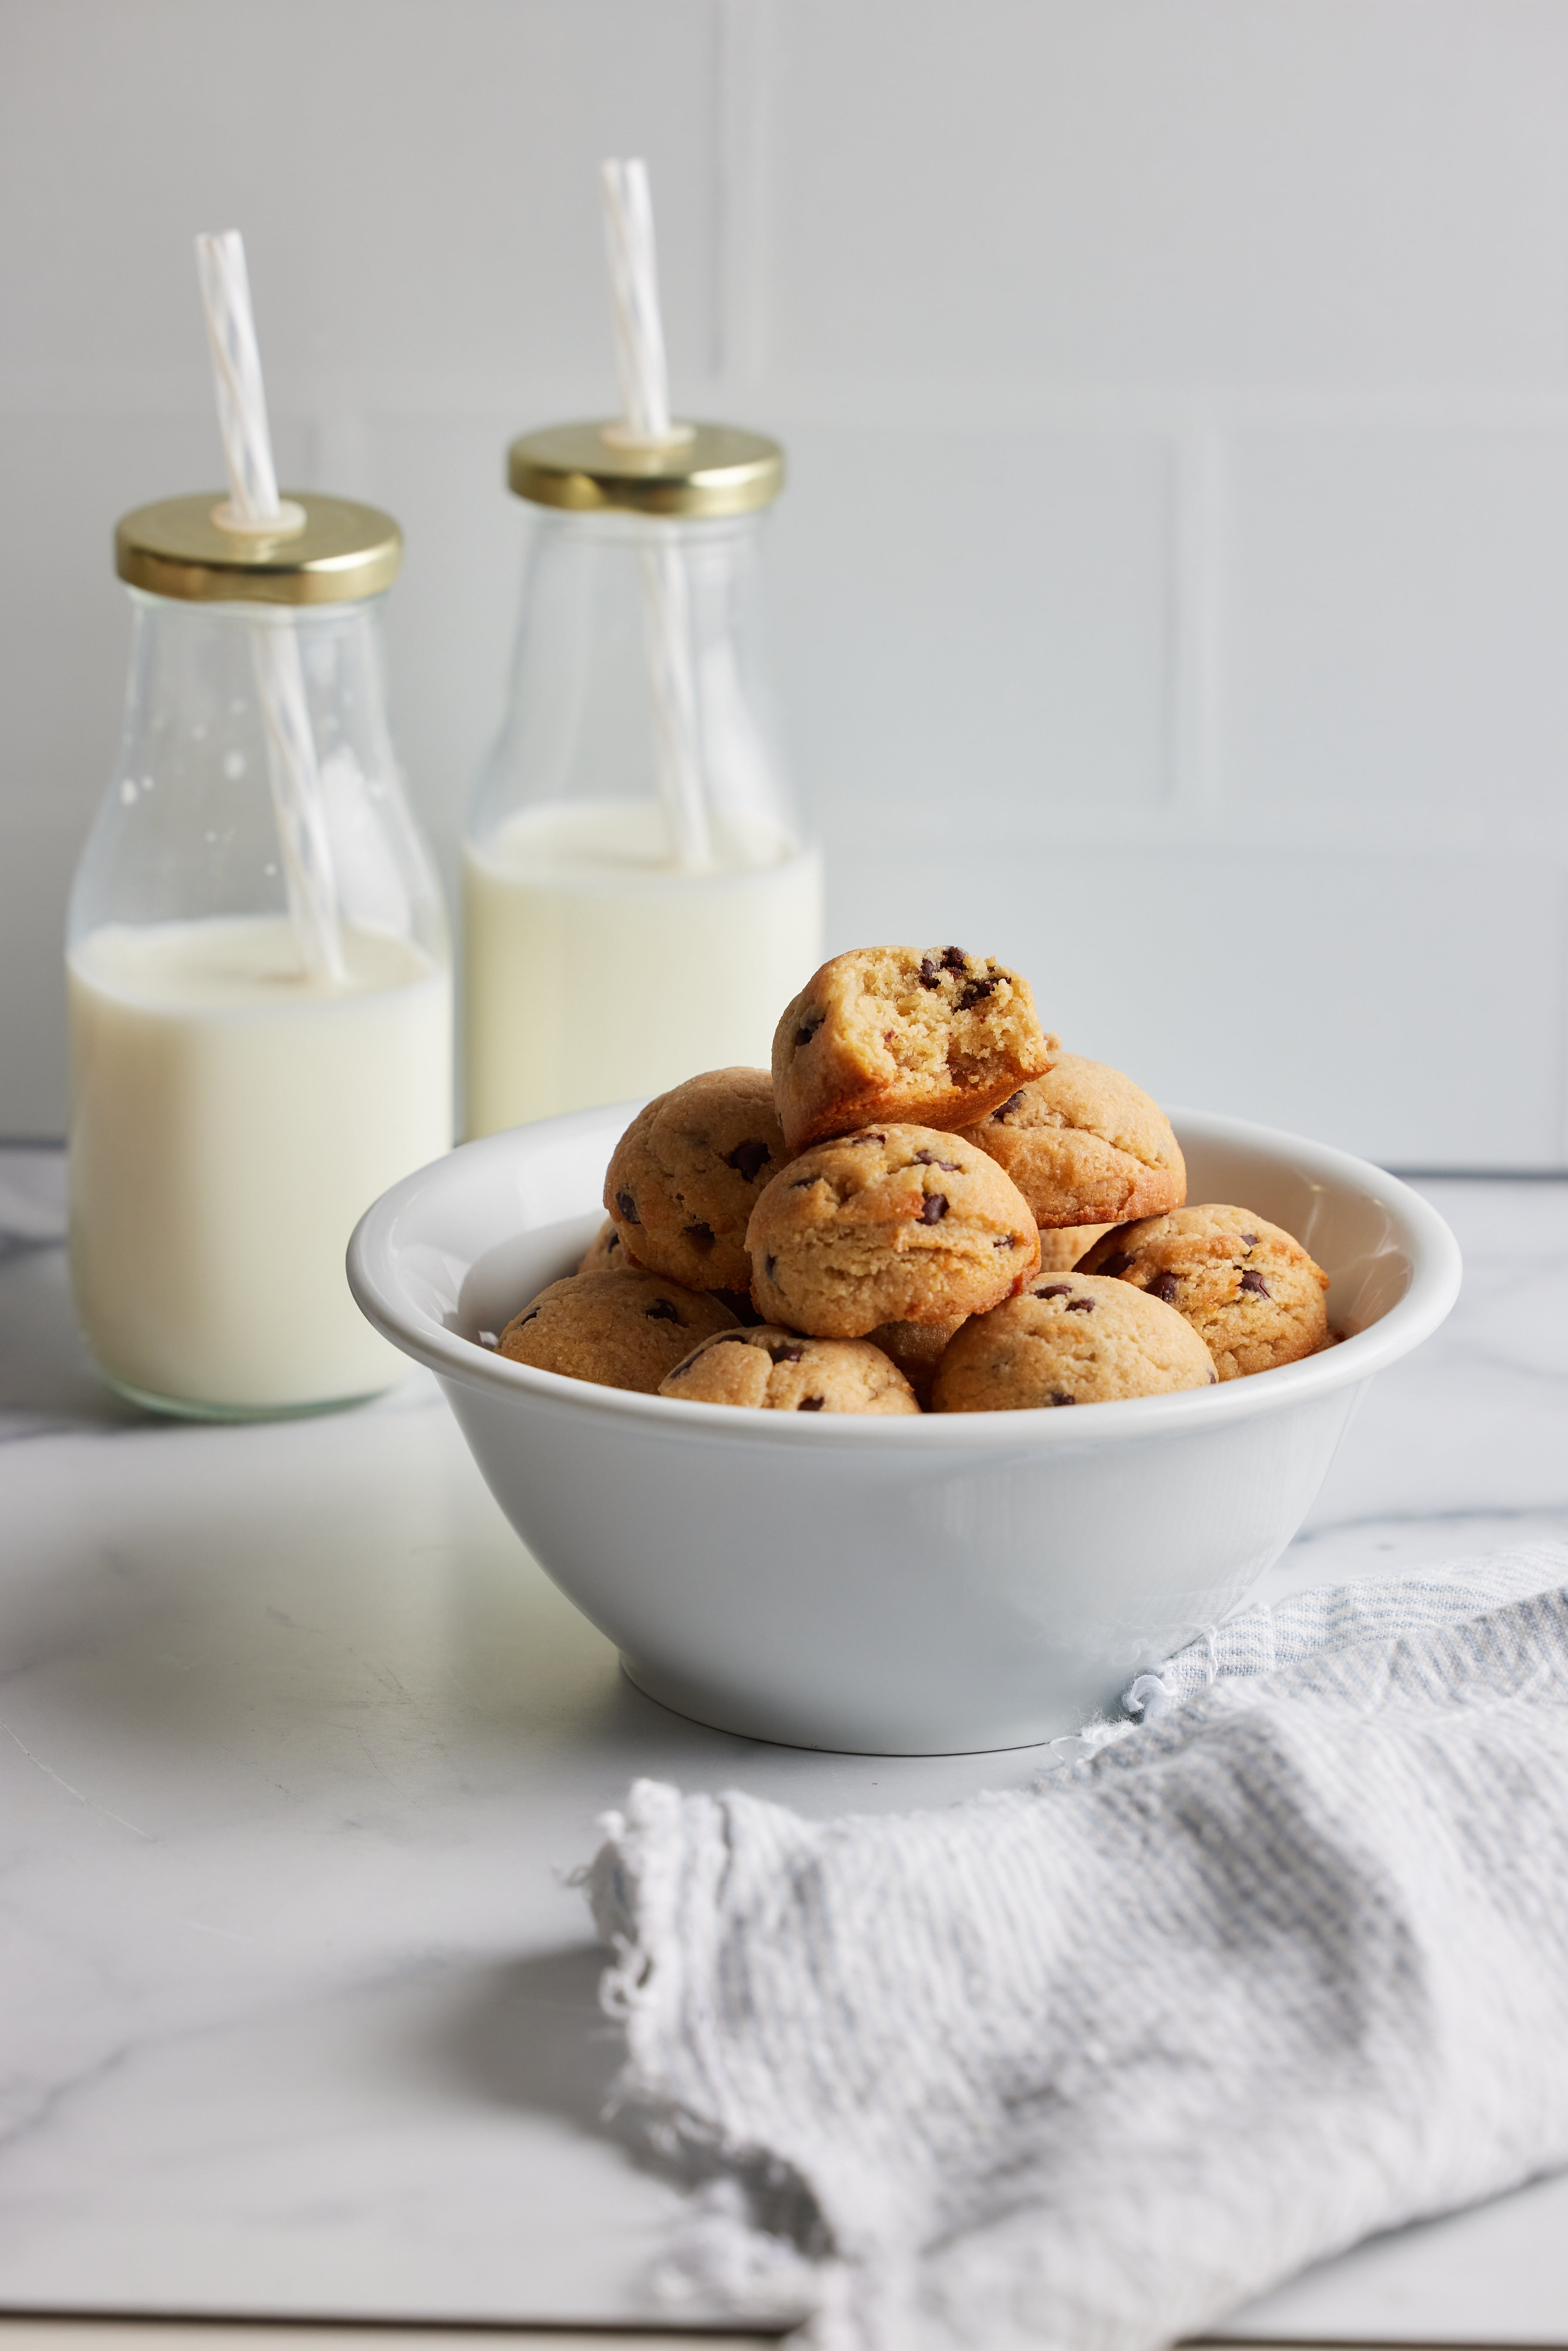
{"x":188,"y":828}
{"x":640,"y":653}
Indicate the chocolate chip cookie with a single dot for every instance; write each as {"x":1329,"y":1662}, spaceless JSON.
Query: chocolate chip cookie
{"x":687,"y":1172}
{"x":933,"y":1039}
{"x":1251,"y":1293}
{"x":916,"y":1348}
{"x":774,"y":1370}
{"x":1070,"y":1340}
{"x":1084,"y":1144}
{"x":605,"y":1253}
{"x":619,"y":1330}
{"x":1060,"y":1250}
{"x":895,"y":1224}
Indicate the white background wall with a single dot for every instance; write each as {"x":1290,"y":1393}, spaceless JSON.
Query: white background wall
{"x":1172,"y":592}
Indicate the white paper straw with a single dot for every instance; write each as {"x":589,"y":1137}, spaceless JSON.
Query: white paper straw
{"x":667,"y":588}
{"x":293,"y":772}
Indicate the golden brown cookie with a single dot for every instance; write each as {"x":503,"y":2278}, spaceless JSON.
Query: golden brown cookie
{"x":895,"y":1224}
{"x":687,"y":1172}
{"x":935,"y":1039}
{"x":1251,"y":1293}
{"x":1060,"y":1250}
{"x":619,"y":1330}
{"x":1084,"y":1144}
{"x":916,"y":1348}
{"x":1070,"y":1340}
{"x":774,"y":1370}
{"x":605,"y":1253}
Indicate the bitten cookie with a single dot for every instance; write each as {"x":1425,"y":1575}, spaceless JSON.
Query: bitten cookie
{"x":1070,"y":1340}
{"x":930,"y":1039}
{"x":604,"y":1253}
{"x":619,"y":1330}
{"x":1060,"y":1250}
{"x":895,"y":1224}
{"x":1084,"y":1144}
{"x":778,"y":1370}
{"x":1252,"y":1294}
{"x":687,"y":1172}
{"x":916,"y":1348}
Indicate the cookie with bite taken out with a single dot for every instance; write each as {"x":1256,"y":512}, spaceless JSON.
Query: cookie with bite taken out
{"x":926,"y":1038}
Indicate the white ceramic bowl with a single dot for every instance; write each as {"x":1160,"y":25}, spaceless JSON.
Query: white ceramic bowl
{"x":945,"y":1585}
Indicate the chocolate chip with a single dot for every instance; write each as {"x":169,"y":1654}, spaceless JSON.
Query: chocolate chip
{"x":804,"y":1182}
{"x":767,"y":1265}
{"x":1056,"y":1397}
{"x":1256,"y":1284}
{"x":746,"y":1158}
{"x":1163,"y":1287}
{"x":929,"y":976}
{"x":933,"y":1208}
{"x":1007,"y":1240}
{"x":612,"y":1244}
{"x":660,"y":1311}
{"x":866,"y":1134}
{"x":1214,"y":1379}
{"x":1080,"y":1306}
{"x":700,"y":1236}
{"x":725,"y":1339}
{"x":976,"y":992}
{"x":530,"y":1316}
{"x":953,"y":959}
{"x":1251,"y":1239}
{"x":628,"y":1207}
{"x":808,"y":1028}
{"x":1116,"y":1264}
{"x":929,"y":1159}
{"x":1056,"y":1290}
{"x":811,"y":1404}
{"x":1010,"y":1104}
{"x":784,"y":1351}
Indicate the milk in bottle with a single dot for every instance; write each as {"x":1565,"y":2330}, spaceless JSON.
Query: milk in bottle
{"x":640,"y":901}
{"x":237,"y":1100}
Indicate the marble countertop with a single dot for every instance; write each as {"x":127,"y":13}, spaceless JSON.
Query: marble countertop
{"x":299,"y":1750}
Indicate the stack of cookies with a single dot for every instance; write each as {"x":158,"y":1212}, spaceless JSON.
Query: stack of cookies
{"x":926,"y":1206}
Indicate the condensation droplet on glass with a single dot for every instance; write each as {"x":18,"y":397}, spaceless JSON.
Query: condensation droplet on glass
{"x":128,"y":793}
{"x":148,"y":782}
{"x":234,"y":765}
{"x":269,"y":869}
{"x":237,"y":709}
{"x":210,"y":836}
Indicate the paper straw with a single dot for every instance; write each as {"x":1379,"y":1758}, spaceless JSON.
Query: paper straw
{"x":666,"y":589}
{"x":293,"y":771}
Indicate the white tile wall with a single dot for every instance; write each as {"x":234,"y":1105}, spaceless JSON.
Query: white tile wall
{"x":1173,"y":587}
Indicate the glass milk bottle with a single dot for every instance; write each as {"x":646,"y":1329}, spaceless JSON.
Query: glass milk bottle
{"x":240,"y":1093}
{"x":639,"y":900}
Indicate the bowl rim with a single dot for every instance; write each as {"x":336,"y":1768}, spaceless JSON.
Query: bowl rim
{"x":1436,"y":1272}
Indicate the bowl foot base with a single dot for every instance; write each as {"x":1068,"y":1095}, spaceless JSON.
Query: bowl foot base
{"x":715,"y":1714}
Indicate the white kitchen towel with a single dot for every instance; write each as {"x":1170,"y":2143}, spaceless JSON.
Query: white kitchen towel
{"x":1087,"y":2063}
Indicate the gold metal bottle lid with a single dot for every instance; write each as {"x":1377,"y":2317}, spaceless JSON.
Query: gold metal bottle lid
{"x":705,"y":470}
{"x":339,"y":552}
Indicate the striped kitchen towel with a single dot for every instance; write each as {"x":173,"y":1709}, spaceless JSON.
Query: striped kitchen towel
{"x":1280,"y":1960}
